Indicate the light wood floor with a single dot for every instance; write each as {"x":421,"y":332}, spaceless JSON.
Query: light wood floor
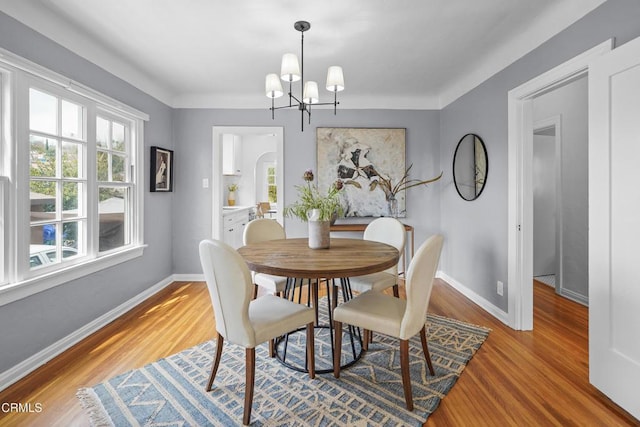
{"x":537,"y":378}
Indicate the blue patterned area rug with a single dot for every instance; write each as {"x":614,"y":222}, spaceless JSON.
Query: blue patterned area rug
{"x":171,"y":390}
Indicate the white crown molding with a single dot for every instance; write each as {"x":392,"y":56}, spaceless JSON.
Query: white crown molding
{"x":43,"y":21}
{"x":347,"y":102}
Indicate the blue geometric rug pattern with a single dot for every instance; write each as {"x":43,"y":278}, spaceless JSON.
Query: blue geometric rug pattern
{"x":369,"y":393}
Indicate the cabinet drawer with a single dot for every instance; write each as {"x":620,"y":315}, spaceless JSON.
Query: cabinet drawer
{"x":236,"y":217}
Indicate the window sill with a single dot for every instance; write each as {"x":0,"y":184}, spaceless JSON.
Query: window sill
{"x":19,"y":290}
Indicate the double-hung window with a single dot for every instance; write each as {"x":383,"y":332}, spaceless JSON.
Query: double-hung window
{"x":58,"y":186}
{"x":71,"y":180}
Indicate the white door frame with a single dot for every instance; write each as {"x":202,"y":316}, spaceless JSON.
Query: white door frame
{"x":217,"y":192}
{"x":520,"y":193}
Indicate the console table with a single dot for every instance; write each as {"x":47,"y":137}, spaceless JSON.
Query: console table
{"x":359,"y":227}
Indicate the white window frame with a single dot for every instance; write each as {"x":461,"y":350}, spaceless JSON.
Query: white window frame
{"x":4,"y":179}
{"x":19,"y":280}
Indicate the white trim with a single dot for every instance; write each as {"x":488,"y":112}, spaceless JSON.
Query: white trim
{"x":36,"y":70}
{"x":188,"y":277}
{"x":520,"y":200}
{"x":3,"y":204}
{"x":18,"y":290}
{"x":27,"y":366}
{"x":574,"y":296}
{"x":487,"y":306}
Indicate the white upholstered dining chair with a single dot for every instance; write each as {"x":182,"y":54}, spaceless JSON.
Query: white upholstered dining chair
{"x":245,"y":322}
{"x":389,"y":231}
{"x":402,"y":319}
{"x":259,"y":230}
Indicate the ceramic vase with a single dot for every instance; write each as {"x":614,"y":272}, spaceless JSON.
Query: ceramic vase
{"x":319,"y":231}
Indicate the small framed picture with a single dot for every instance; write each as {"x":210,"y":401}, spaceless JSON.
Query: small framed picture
{"x":161,"y":170}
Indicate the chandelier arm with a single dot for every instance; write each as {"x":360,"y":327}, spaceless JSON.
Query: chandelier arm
{"x":283,"y":106}
{"x":294,"y":97}
{"x":326,"y":103}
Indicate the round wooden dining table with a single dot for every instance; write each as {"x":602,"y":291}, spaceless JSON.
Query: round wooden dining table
{"x":292,"y":258}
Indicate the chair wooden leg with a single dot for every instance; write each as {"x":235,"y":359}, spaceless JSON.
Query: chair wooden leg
{"x":249,"y":383}
{"x":406,"y":377}
{"x":216,"y":361}
{"x":337,"y":348}
{"x":272,"y":348}
{"x":311,"y":357}
{"x":425,"y":349}
{"x":396,"y":291}
{"x":366,"y":336}
{"x":314,"y":297}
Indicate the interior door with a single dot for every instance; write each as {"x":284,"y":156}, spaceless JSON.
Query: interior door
{"x":614,"y":225}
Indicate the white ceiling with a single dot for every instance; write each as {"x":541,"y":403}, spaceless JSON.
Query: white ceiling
{"x":416,"y":54}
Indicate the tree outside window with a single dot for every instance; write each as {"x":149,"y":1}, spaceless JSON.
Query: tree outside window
{"x":272,"y":188}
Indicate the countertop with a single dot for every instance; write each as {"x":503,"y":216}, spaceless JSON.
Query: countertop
{"x":228,"y":210}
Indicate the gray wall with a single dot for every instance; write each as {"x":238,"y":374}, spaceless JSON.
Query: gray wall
{"x":545,"y":193}
{"x":475,"y":252}
{"x":193,"y":136}
{"x":31,"y":324}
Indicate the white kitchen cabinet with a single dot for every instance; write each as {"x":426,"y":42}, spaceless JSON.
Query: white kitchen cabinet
{"x":234,"y":222}
{"x":231,"y":154}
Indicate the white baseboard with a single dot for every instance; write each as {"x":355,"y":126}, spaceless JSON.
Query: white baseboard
{"x":27,"y":366}
{"x":188,"y":277}
{"x":574,"y":296}
{"x":475,"y":298}
{"x":22,"y":369}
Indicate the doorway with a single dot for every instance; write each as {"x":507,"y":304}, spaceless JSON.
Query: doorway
{"x":561,"y":189}
{"x":547,"y":218}
{"x":247,"y":175}
{"x":520,"y":192}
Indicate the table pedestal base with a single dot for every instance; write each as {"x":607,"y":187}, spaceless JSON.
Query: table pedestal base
{"x":290,"y":349}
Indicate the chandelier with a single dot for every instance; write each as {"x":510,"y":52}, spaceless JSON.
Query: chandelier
{"x":292,"y":71}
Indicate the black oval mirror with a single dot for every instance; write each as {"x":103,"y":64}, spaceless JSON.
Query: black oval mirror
{"x":470,"y":166}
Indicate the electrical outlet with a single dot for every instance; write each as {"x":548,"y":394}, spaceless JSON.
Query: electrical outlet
{"x":500,"y":288}
{"x":205,"y":182}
